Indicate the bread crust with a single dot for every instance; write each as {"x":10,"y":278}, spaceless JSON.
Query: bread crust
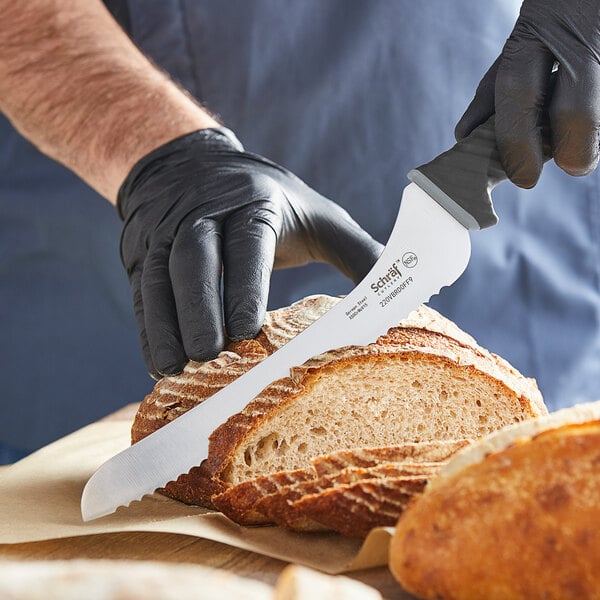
{"x":424,"y":337}
{"x":238,"y":502}
{"x":356,"y":508}
{"x":286,"y":508}
{"x":522,"y":523}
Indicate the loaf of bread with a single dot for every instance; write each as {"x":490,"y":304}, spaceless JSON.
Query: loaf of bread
{"x":515,"y":516}
{"x":424,"y":380}
{"x":123,"y":580}
{"x":151,"y":580}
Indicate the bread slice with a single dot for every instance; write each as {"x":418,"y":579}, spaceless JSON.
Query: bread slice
{"x":281,"y":506}
{"x":415,"y":452}
{"x":425,"y":380}
{"x":238,"y":502}
{"x":424,"y":459}
{"x":356,"y":508}
{"x":516,"y":516}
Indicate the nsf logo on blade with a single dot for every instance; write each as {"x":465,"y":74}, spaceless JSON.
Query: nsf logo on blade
{"x":409,"y":260}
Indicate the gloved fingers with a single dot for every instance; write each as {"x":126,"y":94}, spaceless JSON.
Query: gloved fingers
{"x":250,"y":239}
{"x":481,"y":107}
{"x":523,"y":82}
{"x":135,"y":278}
{"x":340,"y":241}
{"x":160,"y":315}
{"x":575,"y":118}
{"x":195,"y":267}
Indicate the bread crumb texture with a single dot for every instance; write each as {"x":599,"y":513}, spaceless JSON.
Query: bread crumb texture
{"x":380,"y":399}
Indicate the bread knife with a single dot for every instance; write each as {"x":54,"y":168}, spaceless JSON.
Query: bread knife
{"x":429,"y":248}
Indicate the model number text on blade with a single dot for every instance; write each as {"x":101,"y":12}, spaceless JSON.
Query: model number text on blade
{"x":389,"y":297}
{"x":357,"y":308}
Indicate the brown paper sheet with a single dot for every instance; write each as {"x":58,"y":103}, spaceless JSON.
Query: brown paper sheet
{"x":40,"y":498}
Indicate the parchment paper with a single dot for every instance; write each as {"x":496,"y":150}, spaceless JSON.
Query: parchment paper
{"x":40,"y":497}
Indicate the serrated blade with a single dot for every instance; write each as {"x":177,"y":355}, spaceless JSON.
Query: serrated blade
{"x":428,"y":249}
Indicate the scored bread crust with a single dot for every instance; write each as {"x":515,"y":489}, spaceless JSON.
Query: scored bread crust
{"x":425,"y":338}
{"x":354,"y":509}
{"x":281,"y":506}
{"x":521,"y":523}
{"x":238,"y":502}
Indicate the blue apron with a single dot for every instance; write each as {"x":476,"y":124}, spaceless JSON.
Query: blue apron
{"x":347,"y":94}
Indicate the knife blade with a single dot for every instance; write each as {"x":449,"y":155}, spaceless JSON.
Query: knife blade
{"x":429,"y":248}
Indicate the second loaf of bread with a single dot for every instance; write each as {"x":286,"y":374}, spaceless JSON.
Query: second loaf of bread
{"x":515,"y":516}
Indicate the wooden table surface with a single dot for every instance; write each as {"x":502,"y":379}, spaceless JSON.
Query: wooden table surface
{"x":176,"y":548}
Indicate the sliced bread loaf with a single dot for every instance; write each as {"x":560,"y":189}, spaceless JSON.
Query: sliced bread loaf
{"x":415,"y":461}
{"x":425,"y":380}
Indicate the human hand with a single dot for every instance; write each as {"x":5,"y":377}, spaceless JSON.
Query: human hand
{"x":527,"y":97}
{"x":199,"y":209}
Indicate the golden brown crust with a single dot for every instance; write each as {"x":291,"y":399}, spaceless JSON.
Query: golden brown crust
{"x":173,"y":396}
{"x":354,"y":509}
{"x":285,"y":507}
{"x":425,"y":336}
{"x":523,"y":523}
{"x":238,"y":501}
{"x":276,"y":506}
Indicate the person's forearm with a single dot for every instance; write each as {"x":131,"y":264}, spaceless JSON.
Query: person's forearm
{"x":74,"y":84}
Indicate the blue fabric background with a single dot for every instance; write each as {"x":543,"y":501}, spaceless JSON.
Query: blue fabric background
{"x":349,"y":95}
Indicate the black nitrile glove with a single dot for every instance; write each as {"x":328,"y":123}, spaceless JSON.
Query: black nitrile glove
{"x":519,"y":86}
{"x":200,"y":208}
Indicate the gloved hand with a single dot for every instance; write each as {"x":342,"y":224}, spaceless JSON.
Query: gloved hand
{"x":200,"y":208}
{"x":520,"y":85}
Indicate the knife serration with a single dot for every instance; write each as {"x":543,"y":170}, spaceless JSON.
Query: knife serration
{"x":428,"y":249}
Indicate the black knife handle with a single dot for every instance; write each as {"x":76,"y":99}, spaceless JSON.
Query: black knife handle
{"x":461,"y":179}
